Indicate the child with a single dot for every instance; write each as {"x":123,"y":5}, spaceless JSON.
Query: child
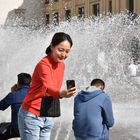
{"x":93,"y":115}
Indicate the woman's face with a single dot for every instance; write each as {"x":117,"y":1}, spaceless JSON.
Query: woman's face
{"x":61,"y":51}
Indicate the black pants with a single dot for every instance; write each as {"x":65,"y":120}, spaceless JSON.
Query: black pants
{"x":7,"y":131}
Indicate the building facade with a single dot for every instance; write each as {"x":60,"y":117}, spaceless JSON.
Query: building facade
{"x":61,"y":10}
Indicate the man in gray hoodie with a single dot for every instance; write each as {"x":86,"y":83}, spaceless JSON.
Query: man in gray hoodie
{"x":93,"y":114}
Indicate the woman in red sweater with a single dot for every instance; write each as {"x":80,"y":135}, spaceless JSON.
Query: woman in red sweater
{"x":46,"y":79}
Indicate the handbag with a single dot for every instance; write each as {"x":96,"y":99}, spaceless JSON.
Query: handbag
{"x":4,"y":127}
{"x":8,"y":131}
{"x":50,"y":107}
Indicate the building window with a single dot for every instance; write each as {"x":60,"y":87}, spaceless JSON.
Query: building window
{"x":68,"y":15}
{"x":134,"y":48}
{"x":56,"y":18}
{"x":110,"y":6}
{"x":96,"y":9}
{"x":46,"y":1}
{"x":131,"y":6}
{"x":47,"y":18}
{"x":81,"y":12}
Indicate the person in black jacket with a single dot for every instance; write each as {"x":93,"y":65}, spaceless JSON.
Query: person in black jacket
{"x":14,"y":99}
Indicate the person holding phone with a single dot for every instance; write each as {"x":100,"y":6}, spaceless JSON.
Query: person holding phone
{"x":14,"y":100}
{"x":47,"y":79}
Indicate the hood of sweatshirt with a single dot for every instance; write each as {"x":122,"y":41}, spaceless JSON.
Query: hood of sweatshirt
{"x":89,"y":93}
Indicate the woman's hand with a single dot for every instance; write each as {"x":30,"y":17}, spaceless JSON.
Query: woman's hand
{"x":67,"y":93}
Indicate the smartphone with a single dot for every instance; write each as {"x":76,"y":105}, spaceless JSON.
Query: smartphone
{"x":70,"y":83}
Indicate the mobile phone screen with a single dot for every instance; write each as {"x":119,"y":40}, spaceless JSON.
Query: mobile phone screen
{"x":70,"y":84}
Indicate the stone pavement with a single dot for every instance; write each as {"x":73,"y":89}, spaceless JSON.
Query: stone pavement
{"x":136,"y":80}
{"x":115,"y":134}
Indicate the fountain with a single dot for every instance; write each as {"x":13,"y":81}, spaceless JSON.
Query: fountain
{"x":100,"y":50}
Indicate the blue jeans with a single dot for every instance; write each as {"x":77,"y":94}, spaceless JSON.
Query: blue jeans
{"x":32,"y":127}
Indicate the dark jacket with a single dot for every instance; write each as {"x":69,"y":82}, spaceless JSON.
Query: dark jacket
{"x":14,"y":99}
{"x":93,"y":115}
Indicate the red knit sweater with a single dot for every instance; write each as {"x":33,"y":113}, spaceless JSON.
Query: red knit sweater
{"x":47,"y":75}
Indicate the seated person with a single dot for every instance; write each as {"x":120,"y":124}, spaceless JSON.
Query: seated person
{"x":14,"y":99}
{"x":93,"y":115}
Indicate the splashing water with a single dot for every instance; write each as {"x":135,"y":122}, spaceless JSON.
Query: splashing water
{"x":100,"y":50}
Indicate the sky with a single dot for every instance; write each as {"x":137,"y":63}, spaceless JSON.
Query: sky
{"x":6,"y":6}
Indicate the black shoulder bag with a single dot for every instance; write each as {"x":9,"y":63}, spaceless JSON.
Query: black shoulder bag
{"x":4,"y":127}
{"x":50,"y":107}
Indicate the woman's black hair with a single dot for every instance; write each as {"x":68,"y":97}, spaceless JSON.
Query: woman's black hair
{"x":58,"y":38}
